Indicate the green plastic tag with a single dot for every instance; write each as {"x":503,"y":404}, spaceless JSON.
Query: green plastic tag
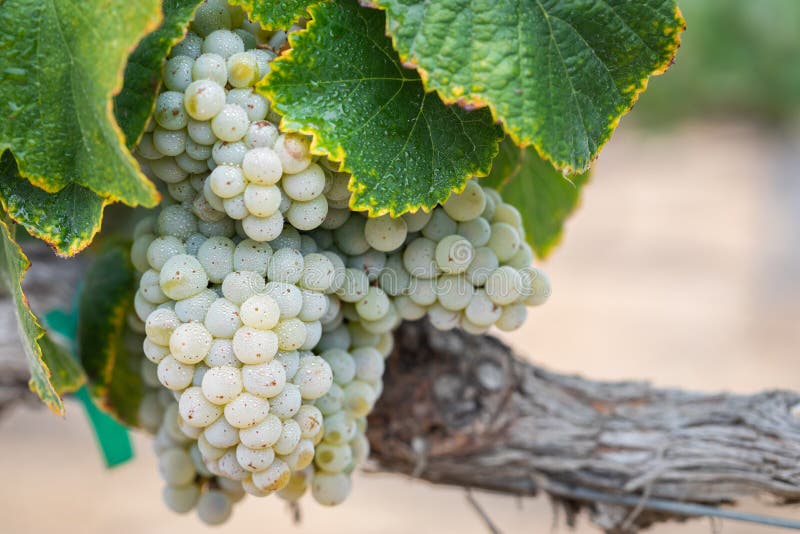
{"x":112,"y":437}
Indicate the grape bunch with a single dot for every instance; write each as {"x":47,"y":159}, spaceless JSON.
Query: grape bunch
{"x":212,"y":140}
{"x":268,"y":304}
{"x":463,"y":264}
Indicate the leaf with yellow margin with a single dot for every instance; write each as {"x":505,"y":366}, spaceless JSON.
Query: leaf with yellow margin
{"x":52,"y":370}
{"x":275,"y":15}
{"x":67,"y":220}
{"x":61,"y":62}
{"x":559,"y":74}
{"x":342,"y":83}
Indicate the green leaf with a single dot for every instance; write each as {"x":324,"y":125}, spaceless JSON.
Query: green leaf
{"x":559,"y":74}
{"x":61,"y":62}
{"x":67,"y":220}
{"x":543,"y":195}
{"x":52,"y":371}
{"x":275,"y":15}
{"x":505,"y":166}
{"x":66,"y":374}
{"x":342,"y":83}
{"x":103,"y":337}
{"x":134,"y":104}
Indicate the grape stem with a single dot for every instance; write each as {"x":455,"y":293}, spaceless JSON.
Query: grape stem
{"x":493,"y":421}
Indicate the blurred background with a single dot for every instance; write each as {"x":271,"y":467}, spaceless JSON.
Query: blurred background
{"x":682,"y":266}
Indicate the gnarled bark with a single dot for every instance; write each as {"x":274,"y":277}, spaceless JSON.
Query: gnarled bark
{"x":463,"y":410}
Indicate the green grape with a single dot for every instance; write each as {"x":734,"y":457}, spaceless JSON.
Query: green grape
{"x":385,"y":233}
{"x":454,"y":254}
{"x":468,"y":204}
{"x":505,"y":241}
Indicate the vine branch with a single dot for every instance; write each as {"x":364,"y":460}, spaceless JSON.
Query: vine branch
{"x":464,"y":410}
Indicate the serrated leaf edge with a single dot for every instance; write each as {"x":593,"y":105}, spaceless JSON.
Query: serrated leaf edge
{"x":149,"y":187}
{"x":57,"y":405}
{"x":336,"y":153}
{"x":522,"y":141}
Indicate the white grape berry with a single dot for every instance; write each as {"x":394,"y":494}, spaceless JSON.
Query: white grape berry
{"x":439,"y":226}
{"x":330,"y":489}
{"x":419,"y":258}
{"x":253,"y":346}
{"x":262,"y":200}
{"x":254,"y":459}
{"x":178,"y":73}
{"x":294,"y":152}
{"x":285,"y":265}
{"x":196,"y":410}
{"x":246,"y":410}
{"x":262,"y":435}
{"x":181,"y":499}
{"x":288,"y":297}
{"x":203,"y":100}
{"x":222,"y":384}
{"x":272,"y":478}
{"x":374,"y":305}
{"x":289,"y":438}
{"x":513,"y":317}
{"x":160,"y":324}
{"x":261,"y":165}
{"x":225,"y":153}
{"x":170,"y":113}
{"x":190,"y":46}
{"x":467,"y":205}
{"x":260,"y":311}
{"x":242,"y":69}
{"x":265,"y":379}
{"x":385,"y":233}
{"x":314,"y":377}
{"x":305,"y":185}
{"x":263,"y":228}
{"x":454,"y":254}
{"x":505,"y":241}
{"x":214,"y":507}
{"x":262,"y":134}
{"x":176,"y":467}
{"x":222,"y":319}
{"x":307,"y":215}
{"x":190,"y":343}
{"x":230,"y":123}
{"x":504,"y":285}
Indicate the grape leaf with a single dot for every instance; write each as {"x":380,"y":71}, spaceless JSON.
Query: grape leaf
{"x":61,"y":62}
{"x":66,"y":373}
{"x":559,"y":74}
{"x":134,"y":104}
{"x":505,"y":166}
{"x":275,"y":15}
{"x":52,"y":370}
{"x":342,"y":83}
{"x":103,"y":335}
{"x":543,"y":195}
{"x":67,"y":220}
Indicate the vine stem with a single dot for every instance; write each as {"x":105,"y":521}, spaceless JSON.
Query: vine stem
{"x":463,"y":410}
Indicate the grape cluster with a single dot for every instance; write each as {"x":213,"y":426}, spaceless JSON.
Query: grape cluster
{"x":463,"y":264}
{"x":230,"y":327}
{"x":214,"y":141}
{"x":268,"y":305}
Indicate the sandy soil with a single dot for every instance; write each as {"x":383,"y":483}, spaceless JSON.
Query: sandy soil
{"x":682,"y":267}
